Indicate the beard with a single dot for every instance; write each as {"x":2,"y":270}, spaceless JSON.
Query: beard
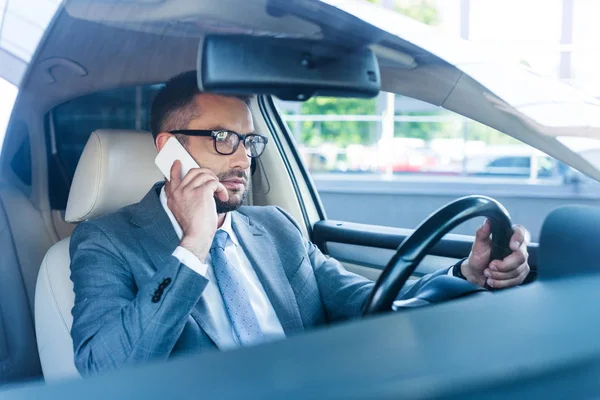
{"x":232,"y":204}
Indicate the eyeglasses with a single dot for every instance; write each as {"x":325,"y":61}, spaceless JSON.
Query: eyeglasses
{"x":227,"y":142}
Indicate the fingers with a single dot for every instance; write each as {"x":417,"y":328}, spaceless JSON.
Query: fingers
{"x":506,"y":283}
{"x":520,"y":237}
{"x":198,"y":178}
{"x":481,"y":245}
{"x":483,"y":232}
{"x":513,"y":270}
{"x":203,"y":177}
{"x":221,"y":192}
{"x":513,"y":260}
{"x":194,"y":173}
{"x":513,"y":273}
{"x":175,"y":174}
{"x":176,"y":180}
{"x":218,"y":189}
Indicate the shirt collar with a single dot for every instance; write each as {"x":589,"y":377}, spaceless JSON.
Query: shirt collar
{"x":227,"y":226}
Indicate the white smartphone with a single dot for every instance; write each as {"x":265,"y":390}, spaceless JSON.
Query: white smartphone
{"x":172,"y":151}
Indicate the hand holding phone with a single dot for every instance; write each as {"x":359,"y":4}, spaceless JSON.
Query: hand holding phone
{"x":172,"y":151}
{"x":191,"y":198}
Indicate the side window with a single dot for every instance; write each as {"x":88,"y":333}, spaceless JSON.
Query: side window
{"x":69,"y":126}
{"x":21,"y":161}
{"x":393,"y":160}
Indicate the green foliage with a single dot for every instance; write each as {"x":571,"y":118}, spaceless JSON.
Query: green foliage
{"x":344,"y":133}
{"x":420,"y":10}
{"x":341,"y":133}
{"x":427,"y":130}
{"x":459,"y":128}
{"x":477,"y":131}
{"x":423,"y":11}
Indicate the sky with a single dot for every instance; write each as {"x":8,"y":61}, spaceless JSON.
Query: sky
{"x":530,"y":30}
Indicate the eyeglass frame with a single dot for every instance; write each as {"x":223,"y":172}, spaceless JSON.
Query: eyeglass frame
{"x":213,"y":133}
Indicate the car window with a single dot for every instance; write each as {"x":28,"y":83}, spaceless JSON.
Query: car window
{"x":406,"y":165}
{"x":74,"y":121}
{"x":356,"y":136}
{"x":22,"y":26}
{"x":398,"y":159}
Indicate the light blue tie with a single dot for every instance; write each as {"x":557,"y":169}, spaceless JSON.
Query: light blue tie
{"x":235,"y":297}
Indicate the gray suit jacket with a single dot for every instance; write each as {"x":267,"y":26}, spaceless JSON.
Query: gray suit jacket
{"x":118,"y":261}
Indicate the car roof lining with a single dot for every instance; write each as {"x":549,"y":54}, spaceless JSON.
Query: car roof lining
{"x":183,"y":18}
{"x":141,"y":52}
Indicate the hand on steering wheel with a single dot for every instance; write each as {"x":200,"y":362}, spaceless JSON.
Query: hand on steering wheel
{"x":497,"y":274}
{"x":414,"y":248}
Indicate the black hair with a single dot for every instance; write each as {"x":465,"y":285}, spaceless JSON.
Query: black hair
{"x":173,"y":107}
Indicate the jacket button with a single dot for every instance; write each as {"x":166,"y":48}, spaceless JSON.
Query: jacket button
{"x":164,"y":284}
{"x":156,"y":298}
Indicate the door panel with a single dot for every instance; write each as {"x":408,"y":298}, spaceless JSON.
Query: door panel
{"x":376,"y":259}
{"x":366,"y":249}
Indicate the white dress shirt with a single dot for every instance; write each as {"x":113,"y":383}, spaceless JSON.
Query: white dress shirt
{"x":265,"y":313}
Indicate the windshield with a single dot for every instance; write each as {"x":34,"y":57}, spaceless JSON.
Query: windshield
{"x":567,"y":112}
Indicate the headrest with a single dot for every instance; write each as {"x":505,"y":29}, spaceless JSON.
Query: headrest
{"x":569,"y":242}
{"x":116,"y":169}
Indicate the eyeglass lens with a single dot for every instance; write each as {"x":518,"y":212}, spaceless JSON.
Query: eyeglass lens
{"x":227,"y":143}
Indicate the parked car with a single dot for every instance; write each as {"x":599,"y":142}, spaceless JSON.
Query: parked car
{"x":512,"y":166}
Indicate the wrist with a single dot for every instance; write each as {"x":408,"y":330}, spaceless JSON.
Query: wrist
{"x":464,"y":269}
{"x":457,"y":271}
{"x":467,"y":273}
{"x":195,"y":246}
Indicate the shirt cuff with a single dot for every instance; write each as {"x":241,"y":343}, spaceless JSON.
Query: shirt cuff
{"x":191,"y":261}
{"x":458,"y":264}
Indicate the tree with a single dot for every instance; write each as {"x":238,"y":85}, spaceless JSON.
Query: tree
{"x":426,"y":130}
{"x":420,"y":10}
{"x":343,"y":133}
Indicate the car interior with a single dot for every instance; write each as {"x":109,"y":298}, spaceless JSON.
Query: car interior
{"x":78,"y":147}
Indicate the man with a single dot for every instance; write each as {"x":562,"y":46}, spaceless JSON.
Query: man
{"x":188,"y":270}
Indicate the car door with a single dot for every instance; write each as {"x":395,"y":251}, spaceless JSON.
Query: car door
{"x":357,"y":211}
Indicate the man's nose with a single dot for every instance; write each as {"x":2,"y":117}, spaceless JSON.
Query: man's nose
{"x":240,"y":158}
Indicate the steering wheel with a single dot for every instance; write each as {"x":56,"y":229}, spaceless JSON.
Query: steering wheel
{"x":414,"y":248}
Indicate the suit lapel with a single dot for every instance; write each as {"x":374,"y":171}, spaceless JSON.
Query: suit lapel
{"x":158,"y":238}
{"x":263,"y":256}
{"x":155,"y":234}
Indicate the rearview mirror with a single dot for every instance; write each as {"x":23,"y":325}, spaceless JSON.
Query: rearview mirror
{"x":291,"y":69}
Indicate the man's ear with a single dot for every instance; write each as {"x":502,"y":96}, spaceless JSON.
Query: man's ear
{"x":161,"y":139}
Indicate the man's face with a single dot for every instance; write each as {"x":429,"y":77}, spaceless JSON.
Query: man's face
{"x":215,"y":113}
